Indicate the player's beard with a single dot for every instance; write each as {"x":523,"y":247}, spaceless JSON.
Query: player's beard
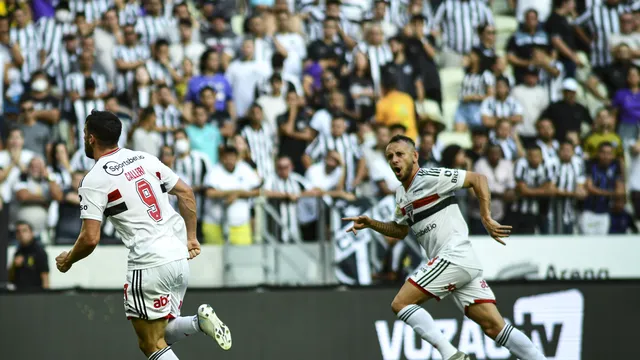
{"x":88,"y":150}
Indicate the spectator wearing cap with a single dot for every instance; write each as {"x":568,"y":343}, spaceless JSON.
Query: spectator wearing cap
{"x":211,"y":76}
{"x":477,"y":85}
{"x":128,"y":57}
{"x":407,"y":76}
{"x":520,"y":47}
{"x":244,"y":74}
{"x":502,"y":106}
{"x":229,"y":185}
{"x":605,"y":182}
{"x":36,"y":134}
{"x":108,"y":35}
{"x":534,"y":101}
{"x":186,"y":48}
{"x":567,"y":114}
{"x":396,"y":107}
{"x":46,"y":106}
{"x":603,"y":131}
{"x":218,"y":36}
{"x":542,"y":7}
{"x":562,"y":37}
{"x":458,"y":20}
{"x":273,"y":104}
{"x":30,"y":266}
{"x":627,"y":105}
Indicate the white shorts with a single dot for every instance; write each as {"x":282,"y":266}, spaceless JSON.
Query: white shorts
{"x":439,"y":278}
{"x":157,"y":292}
{"x":594,"y":224}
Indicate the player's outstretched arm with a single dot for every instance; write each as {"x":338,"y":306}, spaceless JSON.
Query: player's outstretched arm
{"x":391,"y":228}
{"x":478,"y":183}
{"x":87,"y":241}
{"x":187,"y":208}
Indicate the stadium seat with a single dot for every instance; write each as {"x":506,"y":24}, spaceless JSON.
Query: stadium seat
{"x":462,"y":139}
{"x":451,"y":79}
{"x":237,"y":23}
{"x":505,"y":27}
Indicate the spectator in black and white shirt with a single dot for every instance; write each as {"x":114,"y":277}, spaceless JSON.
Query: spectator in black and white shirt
{"x":46,"y":106}
{"x":128,"y":58}
{"x":523,"y":42}
{"x":508,"y":140}
{"x":328,"y":50}
{"x":562,"y":37}
{"x":154,"y":25}
{"x":186,"y":48}
{"x":533,"y":185}
{"x":261,"y":140}
{"x":74,"y":83}
{"x":294,"y":131}
{"x":477,"y":85}
{"x":64,"y":60}
{"x":346,"y":145}
{"x":218,"y":36}
{"x":569,"y":178}
{"x":347,"y":32}
{"x":502,"y":106}
{"x":26,"y":35}
{"x":159,"y":66}
{"x":378,"y":52}
{"x":53,"y":29}
{"x":169,"y":117}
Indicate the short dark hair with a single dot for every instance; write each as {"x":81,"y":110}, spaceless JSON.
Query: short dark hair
{"x":160,"y":42}
{"x":146,"y":113}
{"x":479,"y":132}
{"x":229,"y":150}
{"x":15,"y":129}
{"x":605,"y":144}
{"x":22,"y":222}
{"x":396,"y":126}
{"x":566,"y":142}
{"x":162,"y":86}
{"x":104,"y":126}
{"x":180,"y":131}
{"x":402,"y":138}
{"x":534,"y":147}
{"x":206,"y":88}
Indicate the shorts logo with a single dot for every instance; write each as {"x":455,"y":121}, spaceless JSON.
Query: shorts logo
{"x":409,"y":211}
{"x":126,"y":287}
{"x":483,"y":284}
{"x":450,"y":287}
{"x":431,"y":261}
{"x":162,"y":302}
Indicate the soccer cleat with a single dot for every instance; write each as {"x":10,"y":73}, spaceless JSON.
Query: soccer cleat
{"x":460,"y":356}
{"x":212,"y":326}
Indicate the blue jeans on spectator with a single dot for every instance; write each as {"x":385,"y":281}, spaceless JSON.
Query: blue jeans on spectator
{"x":469,"y":113}
{"x":628,"y":133}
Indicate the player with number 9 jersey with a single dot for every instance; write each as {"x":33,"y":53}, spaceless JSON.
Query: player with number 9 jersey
{"x":130,"y":188}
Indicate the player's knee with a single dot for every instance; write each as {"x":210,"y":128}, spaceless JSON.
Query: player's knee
{"x":491,"y":327}
{"x":398,"y":304}
{"x":148,"y":346}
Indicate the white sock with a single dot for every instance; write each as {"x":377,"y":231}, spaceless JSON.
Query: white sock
{"x":163,"y":354}
{"x":518,"y":344}
{"x":423,"y":324}
{"x":181,"y":327}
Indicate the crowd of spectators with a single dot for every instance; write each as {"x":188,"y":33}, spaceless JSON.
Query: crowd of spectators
{"x":296,"y":100}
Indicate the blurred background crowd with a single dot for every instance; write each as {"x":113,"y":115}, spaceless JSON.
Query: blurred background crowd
{"x":295,"y":100}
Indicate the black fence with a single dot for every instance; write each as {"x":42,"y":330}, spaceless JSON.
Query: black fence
{"x":568,"y":320}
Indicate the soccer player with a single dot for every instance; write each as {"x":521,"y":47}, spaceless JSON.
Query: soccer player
{"x":426,"y":203}
{"x":132,"y":188}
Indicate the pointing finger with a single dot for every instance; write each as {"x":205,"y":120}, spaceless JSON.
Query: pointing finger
{"x":499,"y":240}
{"x":350,"y":219}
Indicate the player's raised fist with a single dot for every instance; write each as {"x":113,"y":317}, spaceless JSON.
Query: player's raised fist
{"x":359,"y":223}
{"x":194,"y":248}
{"x":61,"y":262}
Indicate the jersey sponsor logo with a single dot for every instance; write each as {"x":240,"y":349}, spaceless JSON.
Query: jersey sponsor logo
{"x":161,"y":302}
{"x":453,"y":174}
{"x":134,"y":174}
{"x":114,"y":168}
{"x":542,"y":317}
{"x":426,"y":230}
{"x":82,"y":207}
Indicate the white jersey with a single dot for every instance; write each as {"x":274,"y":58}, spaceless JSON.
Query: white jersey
{"x":131,"y":188}
{"x":430,"y":208}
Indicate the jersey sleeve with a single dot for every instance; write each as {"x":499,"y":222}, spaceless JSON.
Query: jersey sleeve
{"x":93,"y":200}
{"x":167,"y":176}
{"x":450,"y":180}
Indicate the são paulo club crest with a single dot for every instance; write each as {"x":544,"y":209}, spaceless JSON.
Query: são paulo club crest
{"x":408,"y":209}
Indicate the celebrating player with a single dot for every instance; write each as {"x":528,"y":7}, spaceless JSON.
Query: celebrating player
{"x":426,"y":203}
{"x":131,"y":187}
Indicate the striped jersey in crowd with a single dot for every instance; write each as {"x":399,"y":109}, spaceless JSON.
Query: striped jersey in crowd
{"x":80,"y":162}
{"x":153,"y":28}
{"x":553,"y":85}
{"x":74,"y":82}
{"x":602,"y":20}
{"x":315,"y":27}
{"x":378,"y":57}
{"x":459,"y":21}
{"x":262,"y":145}
{"x":193,"y":169}
{"x":533,"y":178}
{"x":92,"y":10}
{"x":81,"y":108}
{"x":124,"y":79}
{"x":159,"y":73}
{"x":28,"y":38}
{"x":491,"y":106}
{"x":168,"y":117}
{"x":567,"y":177}
{"x":295,"y":184}
{"x":346,"y":145}
{"x":476,"y":84}
{"x":51,"y":33}
{"x":130,"y":13}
